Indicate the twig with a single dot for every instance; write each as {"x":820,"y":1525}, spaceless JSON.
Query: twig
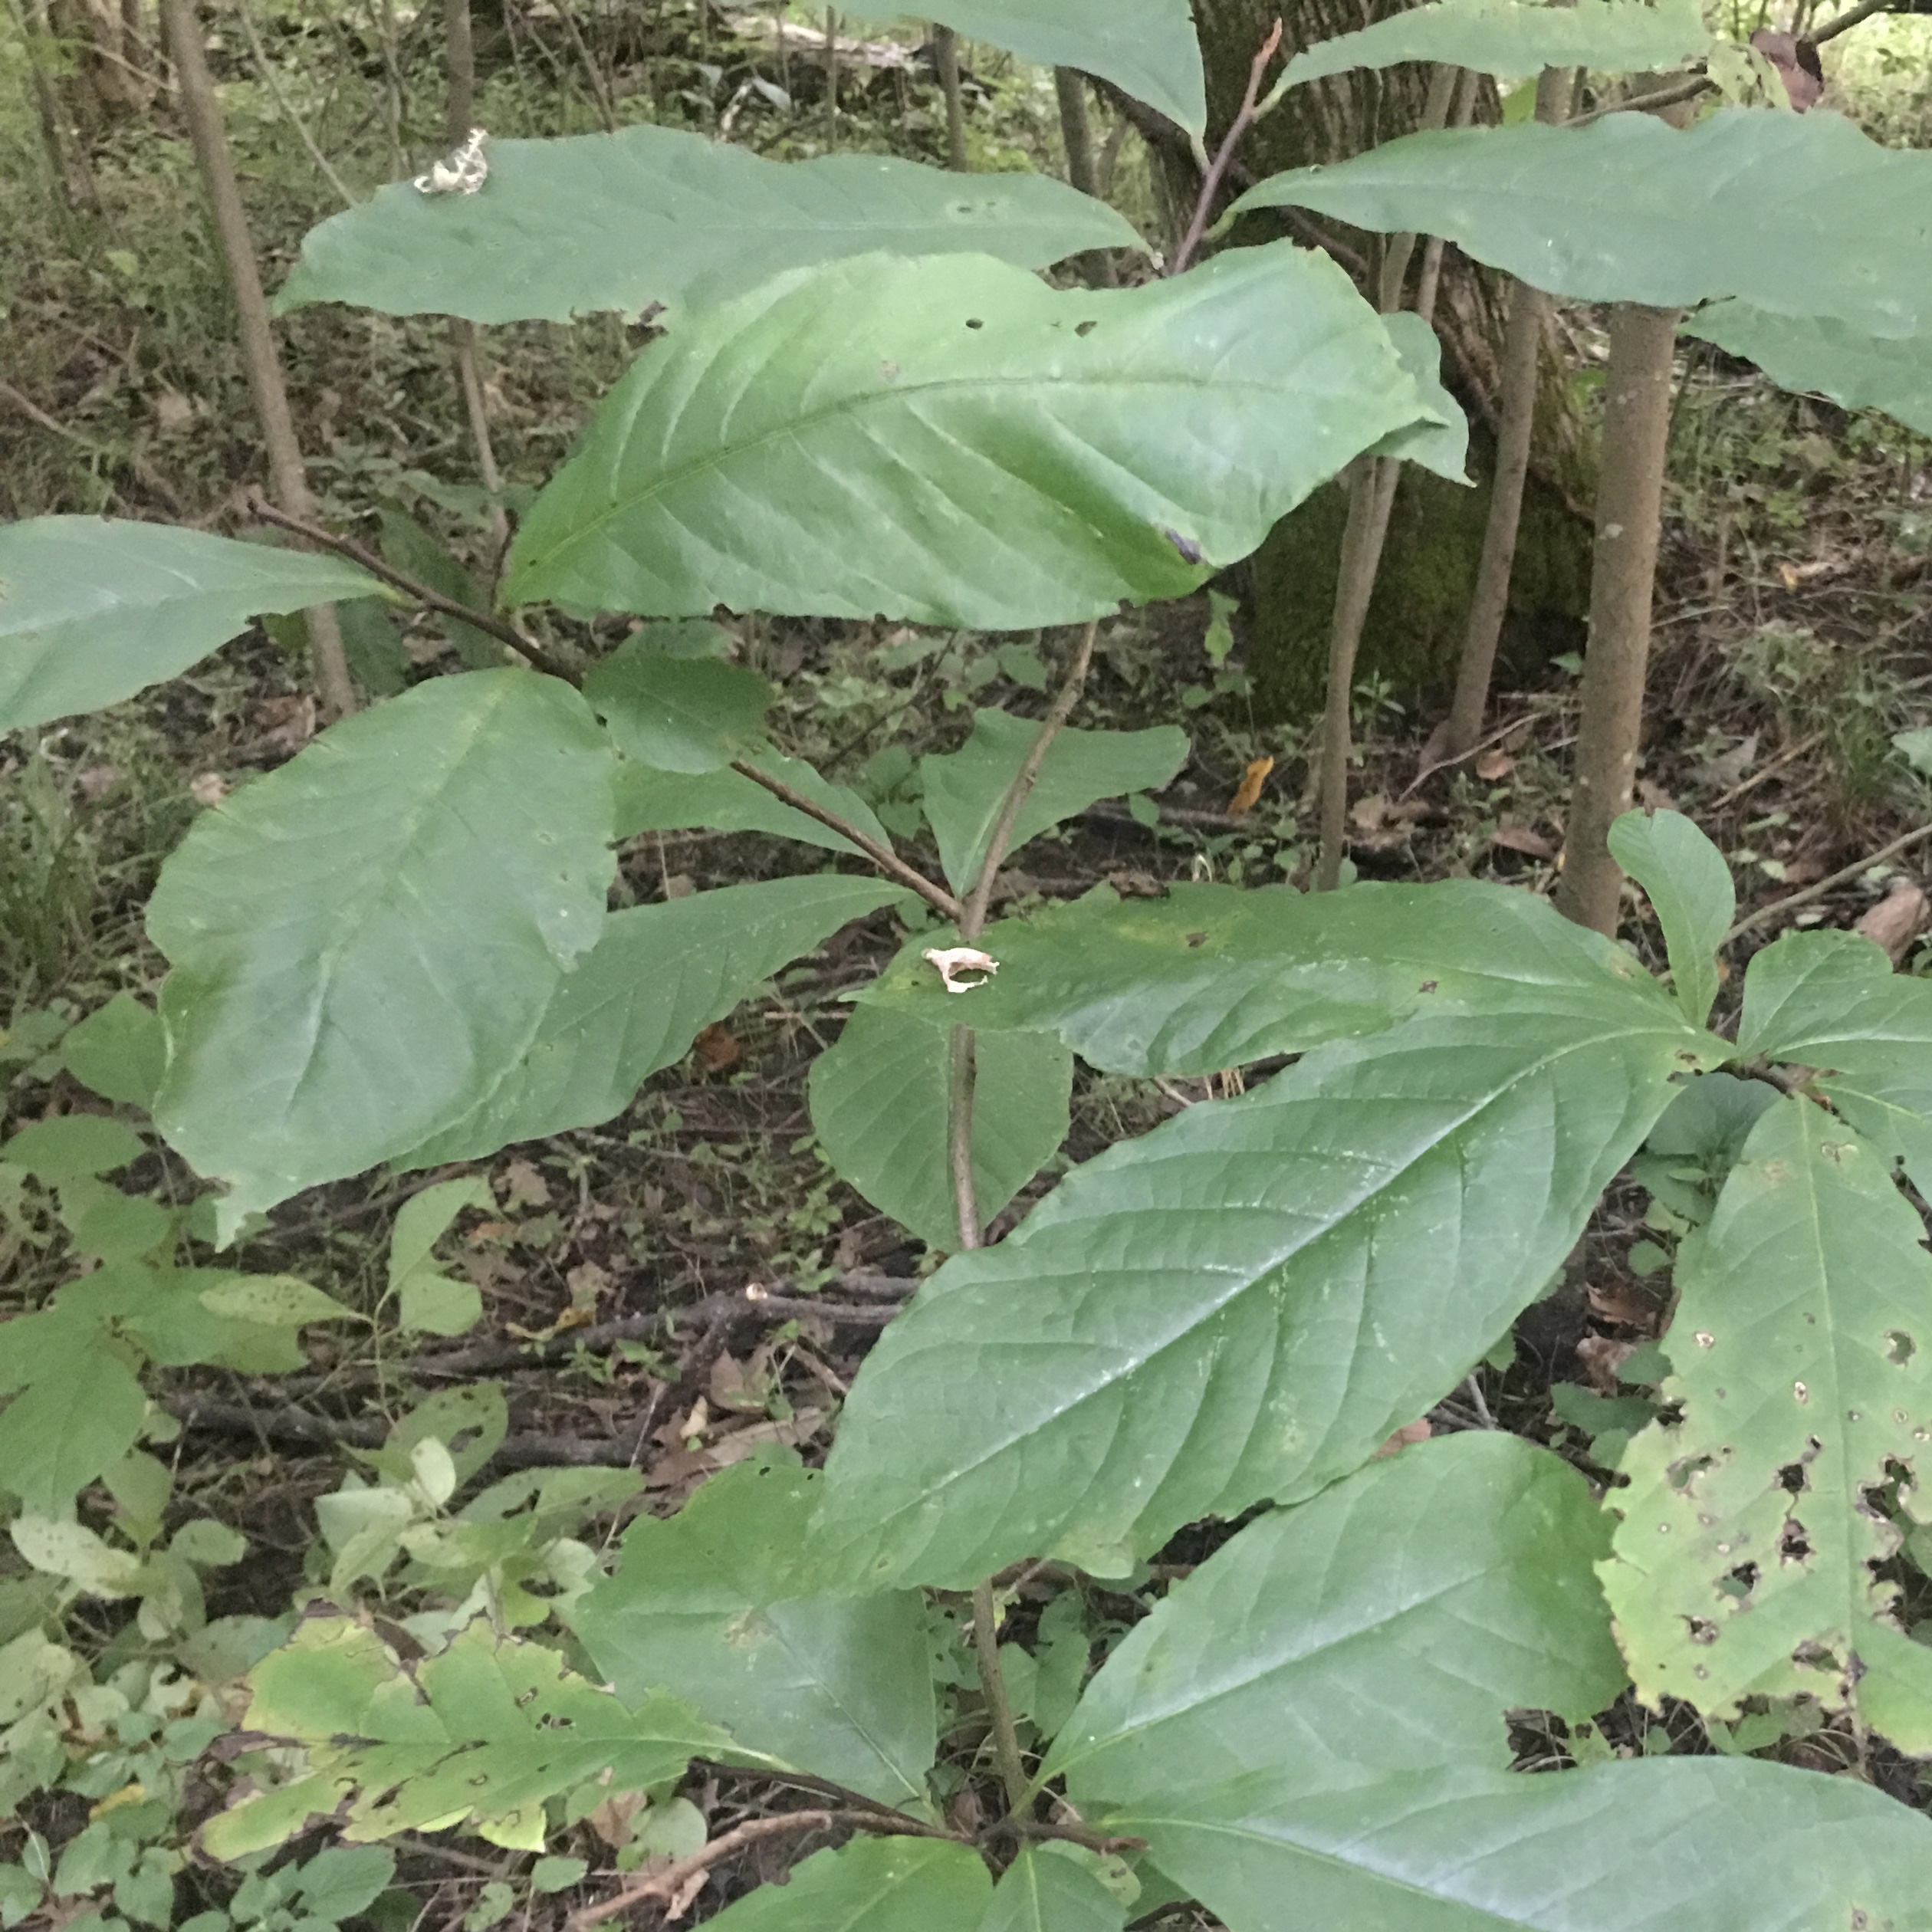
{"x":1845,"y":873}
{"x":973,"y":921}
{"x":531,"y":652}
{"x":1758,"y":777}
{"x":599,"y":92}
{"x":1211,"y":181}
{"x":1005,"y":1738}
{"x":887,"y":861}
{"x":964,"y":1070}
{"x":1850,"y":18}
{"x":1648,"y":104}
{"x":259,"y":55}
{"x":1463,"y":758}
{"x":1032,"y":1827}
{"x":901,"y":1822}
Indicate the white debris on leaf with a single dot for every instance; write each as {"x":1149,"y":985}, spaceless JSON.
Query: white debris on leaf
{"x":952,"y":960}
{"x":462,"y":173}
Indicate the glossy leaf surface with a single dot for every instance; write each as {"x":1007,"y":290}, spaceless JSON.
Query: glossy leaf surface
{"x":565,"y":228}
{"x":1146,"y":47}
{"x":880,"y":1096}
{"x":1511,"y":39}
{"x":1214,"y":976}
{"x":725,"y":1606}
{"x":93,"y":610}
{"x":1799,"y":214}
{"x":1383,"y":1627}
{"x":1246,"y":1302}
{"x":1800,"y":1352}
{"x":658,"y":976}
{"x":1015,"y":455}
{"x":965,"y":788}
{"x":485,"y":1730}
{"x":365,"y":941}
{"x":1690,"y":886}
{"x":1821,"y":355}
{"x":873,"y":1884}
{"x":1832,"y":1000}
{"x":1727,"y":1845}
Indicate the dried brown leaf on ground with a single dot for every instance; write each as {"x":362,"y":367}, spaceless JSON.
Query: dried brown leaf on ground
{"x":1250,"y":789}
{"x":1897,"y":920}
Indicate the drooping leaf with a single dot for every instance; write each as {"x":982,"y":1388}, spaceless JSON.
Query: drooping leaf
{"x":1801,"y":1353}
{"x":1820,"y":354}
{"x":118,"y":1051}
{"x":879,"y":1100}
{"x":1691,"y":886}
{"x":1511,"y":38}
{"x":485,"y":1730}
{"x":1441,"y":445}
{"x":727,"y":801}
{"x":1214,"y":976}
{"x":658,"y":976}
{"x":874,"y":1884}
{"x":427,"y":1299}
{"x":93,"y":610}
{"x":1054,"y":1887}
{"x":949,"y":441}
{"x":687,"y":715}
{"x":1797,"y":213}
{"x":965,"y":788}
{"x":565,"y":228}
{"x":1725,"y":1844}
{"x":1832,"y":1000}
{"x":1245,"y":1302}
{"x":1384,"y":1627}
{"x":726,"y":1605}
{"x":366,"y":940}
{"x":1147,"y":47}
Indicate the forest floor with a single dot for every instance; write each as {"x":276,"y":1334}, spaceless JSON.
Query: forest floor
{"x":690,"y":1280}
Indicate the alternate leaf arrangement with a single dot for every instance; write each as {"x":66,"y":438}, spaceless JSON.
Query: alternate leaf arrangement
{"x":396,"y":948}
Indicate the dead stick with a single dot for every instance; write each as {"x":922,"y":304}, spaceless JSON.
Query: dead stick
{"x":1217,"y":168}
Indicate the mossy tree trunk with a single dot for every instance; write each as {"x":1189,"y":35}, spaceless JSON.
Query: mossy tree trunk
{"x":1413,"y":636}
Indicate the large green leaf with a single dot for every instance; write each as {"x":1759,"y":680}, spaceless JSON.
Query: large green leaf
{"x":1384,"y":1627}
{"x":1245,"y":1302}
{"x":1723,"y":1844}
{"x":879,"y":1099}
{"x":950,"y":441}
{"x":64,"y":1429}
{"x":965,"y":788}
{"x":1214,"y":976}
{"x":1512,"y":38}
{"x":1832,"y":358}
{"x":1801,"y":1353}
{"x":1441,"y":445}
{"x":485,"y":1730}
{"x":92,"y":611}
{"x":687,"y":715}
{"x":1690,"y":886}
{"x":1832,"y":1000}
{"x":1800,"y":214}
{"x":874,"y":1884}
{"x":659,"y":974}
{"x":365,"y":941}
{"x":563,"y":228}
{"x":724,"y":1604}
{"x":1053,"y":1887}
{"x":1147,"y":47}
{"x":650,"y":800}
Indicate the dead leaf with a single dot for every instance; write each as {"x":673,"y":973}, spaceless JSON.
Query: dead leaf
{"x":173,"y":411}
{"x":1601,"y":1357}
{"x":1493,"y":764}
{"x":95,"y":782}
{"x":588,"y":1284}
{"x":1367,"y":814}
{"x":611,"y":1820}
{"x":1249,"y":790}
{"x":1625,"y":1302}
{"x":716,"y":1047}
{"x":952,"y":960}
{"x":208,"y":788}
{"x":1136,"y":885}
{"x":1897,"y":920}
{"x":1519,"y":838}
{"x":524,"y":1187}
{"x":1653,"y":797}
{"x":1798,"y":64}
{"x":679,"y":886}
{"x":1409,"y":1432}
{"x":291,"y":721}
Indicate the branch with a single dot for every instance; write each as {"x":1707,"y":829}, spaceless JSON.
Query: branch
{"x":1850,"y":18}
{"x":531,"y":652}
{"x":1210,"y":184}
{"x":1032,"y":1828}
{"x":887,"y":861}
{"x":1006,"y":1739}
{"x":1843,"y":875}
{"x":1699,"y":83}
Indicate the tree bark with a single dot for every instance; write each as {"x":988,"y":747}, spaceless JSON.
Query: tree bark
{"x":945,"y":64}
{"x":288,"y":478}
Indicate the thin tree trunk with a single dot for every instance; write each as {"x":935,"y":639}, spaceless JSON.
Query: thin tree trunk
{"x":1636,"y":434}
{"x":287,"y":478}
{"x":1082,"y":170}
{"x":1522,"y":342}
{"x":832,"y":77}
{"x":945,"y":62}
